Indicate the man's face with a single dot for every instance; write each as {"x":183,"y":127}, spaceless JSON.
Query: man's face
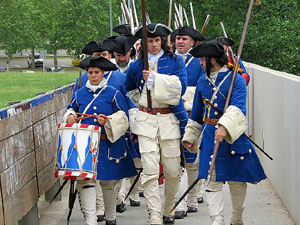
{"x":183,"y":43}
{"x":122,"y":60}
{"x":154,"y":45}
{"x":203,"y":63}
{"x":104,"y":54}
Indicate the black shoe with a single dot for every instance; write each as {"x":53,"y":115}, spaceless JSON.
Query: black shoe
{"x":180,"y":214}
{"x":192,"y":209}
{"x":200,"y":200}
{"x":100,"y":218}
{"x":141,"y":194}
{"x":134,"y":203}
{"x":168,"y":220}
{"x":111,"y":222}
{"x":121,"y":208}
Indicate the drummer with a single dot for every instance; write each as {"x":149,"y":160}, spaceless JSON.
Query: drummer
{"x":110,"y":113}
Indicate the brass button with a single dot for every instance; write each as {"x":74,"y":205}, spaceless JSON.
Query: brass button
{"x":242,"y":157}
{"x":95,"y":107}
{"x":117,"y":160}
{"x":95,"y":120}
{"x":216,"y":105}
{"x":232,"y":152}
{"x":250,"y":150}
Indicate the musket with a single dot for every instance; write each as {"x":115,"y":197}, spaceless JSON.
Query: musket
{"x":123,"y":13}
{"x":230,"y":49}
{"x":148,"y":18}
{"x":72,"y":197}
{"x":186,"y":18}
{"x":193,"y":18}
{"x":170,"y":14}
{"x":206,"y":21}
{"x":58,"y":191}
{"x":145,"y":49}
{"x":245,"y":135}
{"x":217,"y":142}
{"x":176,"y":20}
{"x":131,"y":21}
{"x":119,"y":19}
{"x":126,"y":9}
{"x":135,"y":14}
{"x":170,"y":20}
{"x":178,"y":15}
{"x":133,"y":184}
{"x":185,"y":193}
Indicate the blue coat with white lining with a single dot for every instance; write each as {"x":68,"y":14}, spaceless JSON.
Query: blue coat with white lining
{"x":234,"y":162}
{"x":114,"y":161}
{"x":117,"y":80}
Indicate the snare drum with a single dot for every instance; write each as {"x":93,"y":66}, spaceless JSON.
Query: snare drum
{"x":77,"y":152}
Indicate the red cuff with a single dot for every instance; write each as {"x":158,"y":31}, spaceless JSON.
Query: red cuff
{"x":246,"y":77}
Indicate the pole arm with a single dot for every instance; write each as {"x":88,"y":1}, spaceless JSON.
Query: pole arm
{"x":145,"y":49}
{"x":193,"y":18}
{"x":230,"y":49}
{"x":217,"y":142}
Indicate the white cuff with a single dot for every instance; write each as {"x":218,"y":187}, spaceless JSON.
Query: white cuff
{"x":167,"y":89}
{"x":118,"y":126}
{"x":134,"y":96}
{"x":69,"y":112}
{"x":192,"y":135}
{"x":132,"y":115}
{"x":151,"y":80}
{"x":188,"y":98}
{"x":235,"y":123}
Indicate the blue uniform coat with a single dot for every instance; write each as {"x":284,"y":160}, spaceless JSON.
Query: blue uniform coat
{"x":234,"y":162}
{"x":114,"y":160}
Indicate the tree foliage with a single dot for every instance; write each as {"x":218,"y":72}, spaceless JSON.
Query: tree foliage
{"x":273,"y":38}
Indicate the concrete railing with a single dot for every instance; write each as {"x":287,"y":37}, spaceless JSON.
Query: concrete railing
{"x":27,"y":150}
{"x":274,"y":123}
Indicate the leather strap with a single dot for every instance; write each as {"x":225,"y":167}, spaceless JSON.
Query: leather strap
{"x":154,"y":111}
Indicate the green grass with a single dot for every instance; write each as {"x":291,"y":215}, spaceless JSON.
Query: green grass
{"x":16,"y":86}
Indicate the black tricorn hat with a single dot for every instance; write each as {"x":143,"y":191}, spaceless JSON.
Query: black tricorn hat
{"x":97,"y":61}
{"x":211,"y":48}
{"x":123,"y":29}
{"x":122,"y":44}
{"x":186,"y":30}
{"x":225,"y":41}
{"x":154,"y":30}
{"x":100,"y":46}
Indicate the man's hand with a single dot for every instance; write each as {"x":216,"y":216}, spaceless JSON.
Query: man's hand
{"x":188,"y":145}
{"x":102,"y":119}
{"x":221,"y":133}
{"x":146,"y":74}
{"x":71,"y":119}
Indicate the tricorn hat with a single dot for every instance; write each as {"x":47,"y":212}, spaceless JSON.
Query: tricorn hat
{"x":186,"y":30}
{"x":97,"y":61}
{"x":100,"y":46}
{"x":211,"y":48}
{"x":153,"y":30}
{"x":123,"y":44}
{"x":123,"y":29}
{"x":225,"y":41}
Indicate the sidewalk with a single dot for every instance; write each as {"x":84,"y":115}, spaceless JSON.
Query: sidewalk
{"x":263,"y":207}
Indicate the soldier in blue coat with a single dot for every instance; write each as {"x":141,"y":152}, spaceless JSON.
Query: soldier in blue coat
{"x":158,"y":130}
{"x":117,"y":80}
{"x":185,"y":38}
{"x":236,"y":162}
{"x":111,"y":114}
